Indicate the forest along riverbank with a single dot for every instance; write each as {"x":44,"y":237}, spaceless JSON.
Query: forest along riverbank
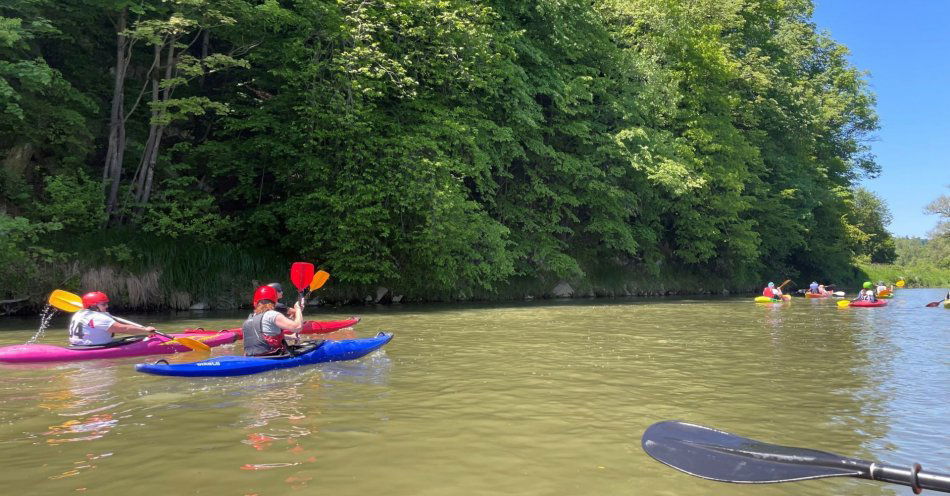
{"x":548,"y":397}
{"x":616,"y":147}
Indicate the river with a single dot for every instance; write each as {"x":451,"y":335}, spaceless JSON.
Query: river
{"x":535,"y":398}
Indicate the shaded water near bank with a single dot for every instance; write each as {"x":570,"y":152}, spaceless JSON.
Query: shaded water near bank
{"x":546,"y":398}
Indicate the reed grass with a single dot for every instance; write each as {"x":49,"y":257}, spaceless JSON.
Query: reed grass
{"x":916,"y":276}
{"x":147,"y":272}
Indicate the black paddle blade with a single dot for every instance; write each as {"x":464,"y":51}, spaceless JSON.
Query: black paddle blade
{"x":717,"y":455}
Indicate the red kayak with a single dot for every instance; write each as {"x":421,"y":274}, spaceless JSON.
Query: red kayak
{"x":865,"y":303}
{"x":309,"y":327}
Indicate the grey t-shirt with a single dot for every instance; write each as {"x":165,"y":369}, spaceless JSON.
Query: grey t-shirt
{"x":269,"y":324}
{"x":254,"y":326}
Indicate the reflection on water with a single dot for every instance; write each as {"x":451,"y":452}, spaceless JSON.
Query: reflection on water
{"x":547,"y":398}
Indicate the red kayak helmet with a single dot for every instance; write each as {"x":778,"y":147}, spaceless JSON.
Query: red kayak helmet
{"x":94,"y":298}
{"x":265,"y":293}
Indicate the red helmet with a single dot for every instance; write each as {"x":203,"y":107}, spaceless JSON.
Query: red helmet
{"x":94,"y":298}
{"x":265,"y":293}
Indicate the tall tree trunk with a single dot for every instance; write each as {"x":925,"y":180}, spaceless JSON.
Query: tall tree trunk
{"x":205,"y":36}
{"x":141,"y":173}
{"x":155,"y":131}
{"x":112,"y":169}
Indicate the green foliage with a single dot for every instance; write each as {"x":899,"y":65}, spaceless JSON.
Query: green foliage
{"x":915,"y":275}
{"x":74,"y":201}
{"x":455,"y":148}
{"x":38,"y":104}
{"x":941,"y":207}
{"x":22,"y":254}
{"x":870,"y":216}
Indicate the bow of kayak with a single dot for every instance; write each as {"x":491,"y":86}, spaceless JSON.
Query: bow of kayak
{"x":156,"y":345}
{"x":328,"y":351}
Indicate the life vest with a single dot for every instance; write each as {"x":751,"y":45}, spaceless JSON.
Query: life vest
{"x":256,"y":343}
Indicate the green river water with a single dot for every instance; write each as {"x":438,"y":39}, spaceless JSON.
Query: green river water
{"x":540,"y":398}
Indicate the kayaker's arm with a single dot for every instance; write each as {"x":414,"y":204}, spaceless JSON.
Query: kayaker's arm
{"x":291,"y":325}
{"x":121,"y":328}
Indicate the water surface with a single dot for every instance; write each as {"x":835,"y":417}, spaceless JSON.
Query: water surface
{"x":541,"y":398}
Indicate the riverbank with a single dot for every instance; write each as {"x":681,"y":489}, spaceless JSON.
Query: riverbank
{"x":197,"y":278}
{"x":142,"y":273}
{"x":916,"y":276}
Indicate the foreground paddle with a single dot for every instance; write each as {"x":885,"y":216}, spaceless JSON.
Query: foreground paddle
{"x":934,"y":303}
{"x":713,"y":454}
{"x":69,"y":302}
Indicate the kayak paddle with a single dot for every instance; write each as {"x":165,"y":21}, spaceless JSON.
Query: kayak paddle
{"x":69,"y":302}
{"x":900,"y":283}
{"x":319,"y":279}
{"x":716,"y":455}
{"x":843,"y":303}
{"x":934,"y":303}
{"x":301,"y":274}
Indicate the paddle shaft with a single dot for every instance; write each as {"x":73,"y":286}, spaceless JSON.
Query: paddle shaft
{"x":718,"y":455}
{"x":905,"y":477}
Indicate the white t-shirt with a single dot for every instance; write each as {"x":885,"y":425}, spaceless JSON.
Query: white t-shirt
{"x":89,"y":327}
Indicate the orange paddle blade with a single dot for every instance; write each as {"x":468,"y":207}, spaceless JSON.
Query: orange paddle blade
{"x":319,"y":279}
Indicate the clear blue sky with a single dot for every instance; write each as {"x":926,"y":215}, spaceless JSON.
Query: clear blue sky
{"x":905,"y":45}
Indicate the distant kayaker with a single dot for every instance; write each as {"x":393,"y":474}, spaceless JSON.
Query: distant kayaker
{"x":881,"y":288}
{"x":263,"y":329}
{"x":867,"y":294}
{"x":280,"y":307}
{"x":813,"y":288}
{"x":772,"y":292}
{"x":94,"y":326}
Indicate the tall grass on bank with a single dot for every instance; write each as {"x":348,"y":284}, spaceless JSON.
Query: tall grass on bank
{"x":145,"y":272}
{"x":916,"y":276}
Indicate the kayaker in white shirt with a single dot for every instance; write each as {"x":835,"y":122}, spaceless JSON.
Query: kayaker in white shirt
{"x":94,"y":326}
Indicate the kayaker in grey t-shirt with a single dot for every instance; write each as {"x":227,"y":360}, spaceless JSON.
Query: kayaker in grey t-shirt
{"x":263,"y":329}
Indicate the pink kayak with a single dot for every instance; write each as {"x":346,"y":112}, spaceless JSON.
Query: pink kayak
{"x":309,"y":327}
{"x":126,"y":347}
{"x":865,"y":303}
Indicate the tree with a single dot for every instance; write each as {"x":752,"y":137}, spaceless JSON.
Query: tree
{"x":870,"y":216}
{"x":941,"y":207}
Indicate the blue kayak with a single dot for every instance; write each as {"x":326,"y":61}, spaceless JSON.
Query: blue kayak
{"x":326,"y":351}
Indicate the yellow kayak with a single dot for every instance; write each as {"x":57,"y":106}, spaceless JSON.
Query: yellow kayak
{"x":766,"y":299}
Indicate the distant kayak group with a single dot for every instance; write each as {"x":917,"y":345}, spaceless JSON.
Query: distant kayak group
{"x":870,"y":295}
{"x":271,"y":335}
